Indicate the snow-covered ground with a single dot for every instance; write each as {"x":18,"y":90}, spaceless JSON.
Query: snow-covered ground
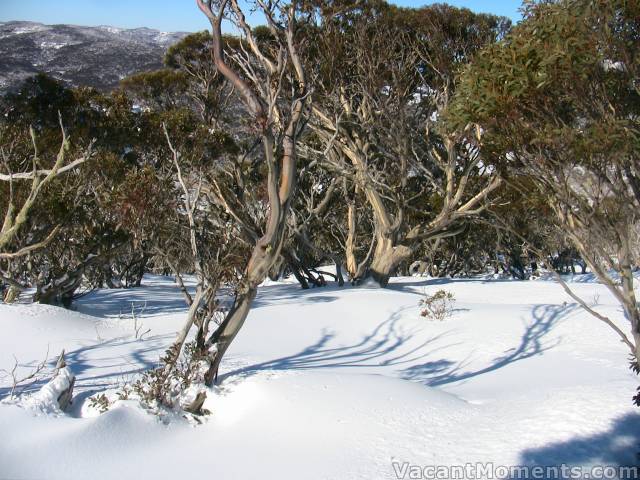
{"x":333,"y":383}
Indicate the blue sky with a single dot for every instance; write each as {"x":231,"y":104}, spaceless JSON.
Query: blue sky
{"x":170,"y":15}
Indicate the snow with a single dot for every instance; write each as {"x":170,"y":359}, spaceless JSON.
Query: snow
{"x":609,"y":65}
{"x":333,"y":383}
{"x":53,"y":45}
{"x":27,"y":27}
{"x":109,"y":29}
{"x":46,"y":399}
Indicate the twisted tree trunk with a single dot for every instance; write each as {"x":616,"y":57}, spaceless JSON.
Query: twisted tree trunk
{"x":261,"y":100}
{"x":386,"y":260}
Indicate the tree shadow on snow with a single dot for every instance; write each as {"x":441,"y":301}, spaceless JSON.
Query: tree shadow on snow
{"x":383,"y":347}
{"x":408,"y":286}
{"x":292,"y":293}
{"x":615,"y":447}
{"x":100,"y":364}
{"x":153,"y":299}
{"x":378,"y":348}
{"x":532,"y":343}
{"x":138,"y":356}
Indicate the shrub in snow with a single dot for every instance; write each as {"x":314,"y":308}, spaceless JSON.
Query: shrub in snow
{"x":635,"y":367}
{"x":100,"y":402}
{"x":437,"y":306}
{"x":180,"y":388}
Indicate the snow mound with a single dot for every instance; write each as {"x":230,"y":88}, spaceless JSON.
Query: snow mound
{"x":332,"y":383}
{"x":326,"y":425}
{"x":46,"y":399}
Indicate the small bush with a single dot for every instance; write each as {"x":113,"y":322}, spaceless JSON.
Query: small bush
{"x":157,"y":388}
{"x":160,"y":391}
{"x":437,"y":306}
{"x":100,"y":402}
{"x":635,"y":368}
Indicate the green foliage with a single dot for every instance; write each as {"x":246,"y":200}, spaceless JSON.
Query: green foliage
{"x":37,"y":103}
{"x":559,"y":104}
{"x":159,"y":90}
{"x":194,"y":49}
{"x":563,"y":78}
{"x":117,"y":202}
{"x":203,"y":89}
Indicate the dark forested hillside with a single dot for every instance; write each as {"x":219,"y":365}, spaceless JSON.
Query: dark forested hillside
{"x":94,"y":56}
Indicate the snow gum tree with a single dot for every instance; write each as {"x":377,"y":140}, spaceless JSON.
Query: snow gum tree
{"x":105,"y":212}
{"x":386,"y":78}
{"x":209,"y":91}
{"x":270,"y":80}
{"x":34,"y":156}
{"x":559,"y":101}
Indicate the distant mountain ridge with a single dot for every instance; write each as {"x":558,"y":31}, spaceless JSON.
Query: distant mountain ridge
{"x":94,"y":56}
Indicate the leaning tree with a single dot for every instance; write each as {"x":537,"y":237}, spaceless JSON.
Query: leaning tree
{"x":271,"y":82}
